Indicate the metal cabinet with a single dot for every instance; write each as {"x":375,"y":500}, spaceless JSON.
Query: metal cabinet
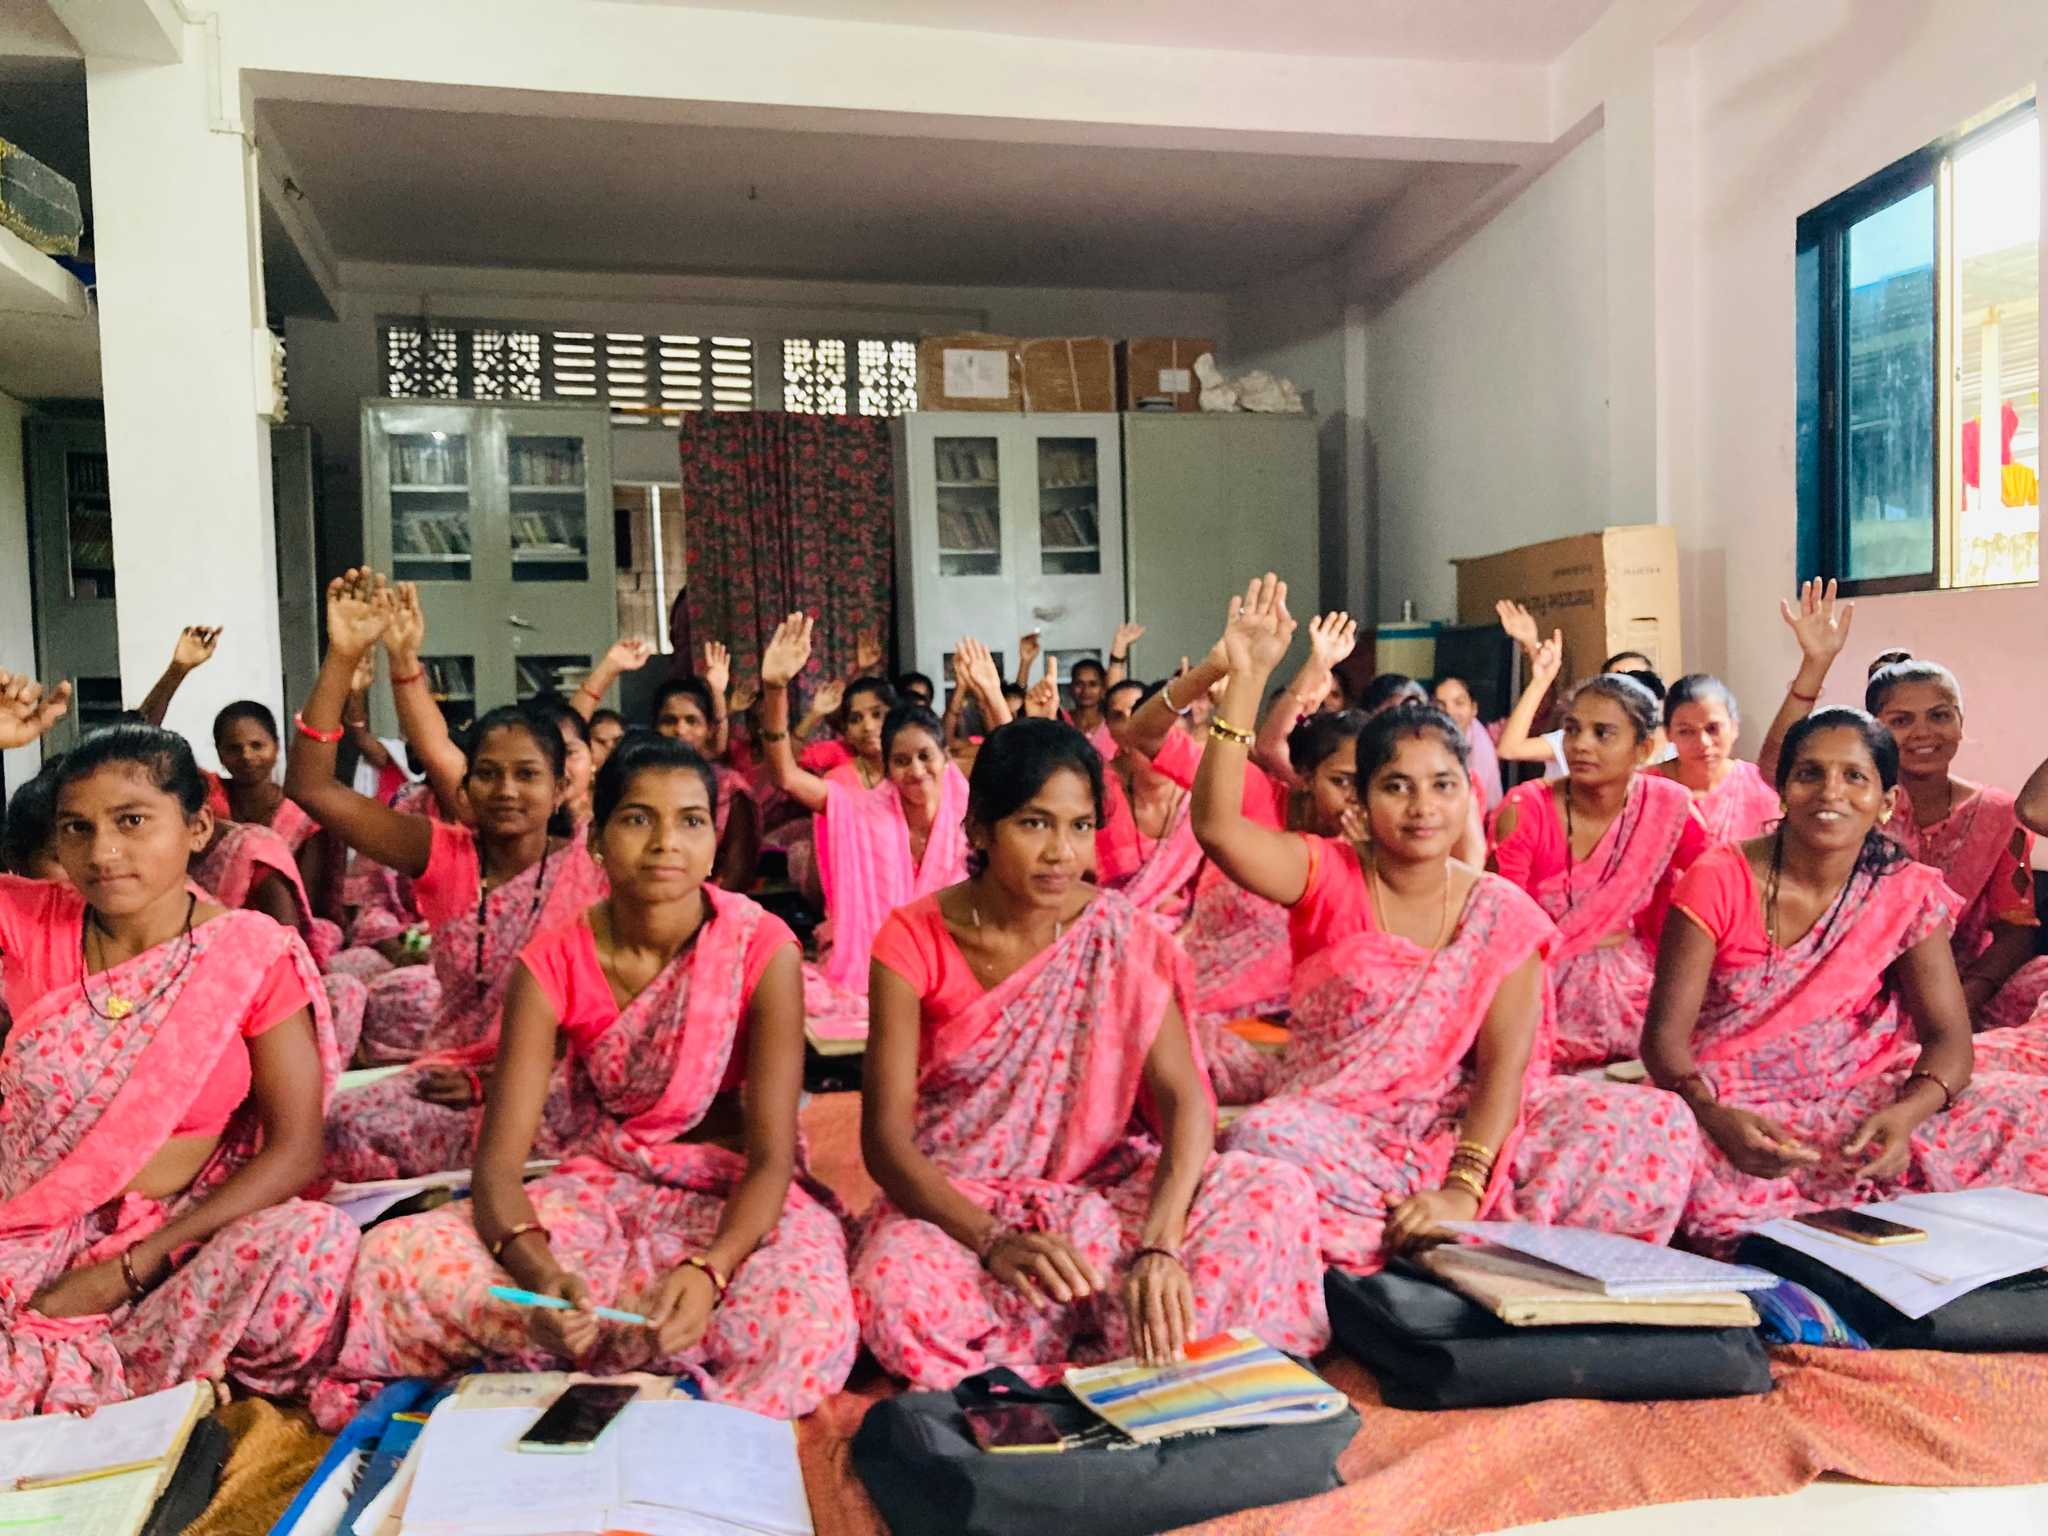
{"x":1008,"y":524}
{"x":73,"y":530}
{"x":503,"y":515}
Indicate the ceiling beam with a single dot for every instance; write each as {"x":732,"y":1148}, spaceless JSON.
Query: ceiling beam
{"x":135,"y":31}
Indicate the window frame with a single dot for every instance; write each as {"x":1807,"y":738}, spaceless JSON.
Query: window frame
{"x":1822,"y":530}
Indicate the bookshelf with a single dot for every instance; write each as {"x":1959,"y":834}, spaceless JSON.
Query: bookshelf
{"x":1007,"y":524}
{"x":503,"y":515}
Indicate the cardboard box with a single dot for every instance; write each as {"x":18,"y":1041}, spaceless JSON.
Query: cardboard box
{"x":1615,"y":590}
{"x":1070,"y":373}
{"x":969,"y":372}
{"x":1151,"y":366}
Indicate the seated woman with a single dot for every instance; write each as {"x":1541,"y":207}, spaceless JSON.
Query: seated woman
{"x":245,"y":741}
{"x":879,"y":847}
{"x":163,"y":1084}
{"x":1702,"y":722}
{"x":682,"y":1009}
{"x":684,"y":710}
{"x":484,"y":893}
{"x":1036,"y":1114}
{"x":1599,"y":850}
{"x":1808,"y":1009}
{"x":1156,"y":871}
{"x":1454,"y":697}
{"x":1416,"y":1088}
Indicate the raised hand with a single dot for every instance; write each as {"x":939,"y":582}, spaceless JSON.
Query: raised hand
{"x":629,"y":655}
{"x":1331,"y":638}
{"x":195,"y":645}
{"x":789,"y":650}
{"x":1819,"y":624}
{"x":1028,"y":649}
{"x":405,"y":628}
{"x":366,"y":673}
{"x":830,"y":695}
{"x":743,"y":696}
{"x":974,"y":668}
{"x":1519,"y":622}
{"x":1126,"y":636}
{"x":1547,"y":658}
{"x":1042,"y":702}
{"x":867,"y":651}
{"x":27,"y":709}
{"x":356,"y":612}
{"x":717,"y":668}
{"x":1260,"y":627}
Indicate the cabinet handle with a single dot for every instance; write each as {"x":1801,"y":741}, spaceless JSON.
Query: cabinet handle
{"x":1047,"y":615}
{"x":517,"y":622}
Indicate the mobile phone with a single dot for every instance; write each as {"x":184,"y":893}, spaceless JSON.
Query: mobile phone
{"x":1015,"y":1427}
{"x":574,"y":1420}
{"x":1861,"y":1227}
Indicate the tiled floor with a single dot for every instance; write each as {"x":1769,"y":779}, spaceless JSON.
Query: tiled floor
{"x":1827,"y":1509}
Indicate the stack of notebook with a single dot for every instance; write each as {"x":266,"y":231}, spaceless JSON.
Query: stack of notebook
{"x":103,"y":1475}
{"x":1975,"y":1238}
{"x":1233,"y":1381}
{"x":1532,"y":1277}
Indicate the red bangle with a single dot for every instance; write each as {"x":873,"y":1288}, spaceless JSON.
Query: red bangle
{"x":326,"y":738}
{"x":1804,"y":698}
{"x":595,"y":698}
{"x":410,"y":677}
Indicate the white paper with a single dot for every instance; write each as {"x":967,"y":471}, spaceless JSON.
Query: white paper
{"x":702,"y":1467}
{"x":1622,"y":1267}
{"x":107,"y":1506}
{"x":973,"y":373}
{"x":381,"y":1514}
{"x":1176,"y":381}
{"x":60,"y":1444}
{"x":1974,"y":1238}
{"x":708,"y":1459}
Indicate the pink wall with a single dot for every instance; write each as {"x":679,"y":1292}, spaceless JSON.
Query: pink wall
{"x":1794,"y":103}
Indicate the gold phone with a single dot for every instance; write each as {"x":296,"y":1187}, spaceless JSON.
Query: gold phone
{"x":1861,"y":1227}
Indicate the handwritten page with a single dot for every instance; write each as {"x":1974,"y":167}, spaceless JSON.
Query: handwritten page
{"x":106,"y":1506}
{"x":60,"y":1444}
{"x":473,"y":1479}
{"x":708,"y":1459}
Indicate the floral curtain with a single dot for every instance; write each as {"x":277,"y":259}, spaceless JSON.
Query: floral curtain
{"x":786,"y":511}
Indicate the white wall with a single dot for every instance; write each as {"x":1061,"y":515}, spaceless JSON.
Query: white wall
{"x":1487,"y":390}
{"x":335,"y":365}
{"x":1795,"y":104}
{"x":17,"y":618}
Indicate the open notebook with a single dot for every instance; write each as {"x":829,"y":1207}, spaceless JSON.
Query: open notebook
{"x":146,"y":1434}
{"x":1975,"y":1237}
{"x":674,"y":1468}
{"x":1607,"y":1264}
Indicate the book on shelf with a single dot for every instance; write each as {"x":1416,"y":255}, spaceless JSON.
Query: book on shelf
{"x":1232,"y":1381}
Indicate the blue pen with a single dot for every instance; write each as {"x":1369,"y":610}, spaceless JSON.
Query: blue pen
{"x":521,"y":1298}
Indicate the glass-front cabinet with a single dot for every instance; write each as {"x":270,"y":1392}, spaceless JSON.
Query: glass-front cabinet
{"x":1008,"y":524}
{"x":502,"y":514}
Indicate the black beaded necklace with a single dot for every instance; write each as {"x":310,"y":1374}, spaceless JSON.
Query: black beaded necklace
{"x":119,"y":1007}
{"x":483,"y":896}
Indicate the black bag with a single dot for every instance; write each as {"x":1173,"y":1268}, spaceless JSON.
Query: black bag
{"x":1429,"y":1347}
{"x":2008,"y":1314}
{"x":194,"y":1483}
{"x":929,"y":1478}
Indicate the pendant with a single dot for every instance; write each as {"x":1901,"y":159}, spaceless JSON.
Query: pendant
{"x":119,"y":1007}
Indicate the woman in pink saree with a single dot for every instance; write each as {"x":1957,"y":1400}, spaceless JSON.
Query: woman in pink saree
{"x":877,"y":848}
{"x":1163,"y":859}
{"x":484,"y":893}
{"x":1416,"y":1088}
{"x":1036,"y":1113}
{"x":160,"y":1099}
{"x":679,"y":1198}
{"x":1599,"y":850}
{"x":1733,"y":800}
{"x":1808,"y":1009}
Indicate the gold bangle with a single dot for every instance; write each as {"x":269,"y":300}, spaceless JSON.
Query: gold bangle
{"x":1478,"y":1149}
{"x":1466,"y":1180}
{"x":1948,"y":1094}
{"x":1222,"y":730}
{"x":698,"y":1261}
{"x":498,"y":1248}
{"x":774,"y":736}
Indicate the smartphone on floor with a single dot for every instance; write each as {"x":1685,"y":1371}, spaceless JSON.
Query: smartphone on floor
{"x":1013,"y":1428}
{"x":1861,"y":1227}
{"x":573,"y":1421}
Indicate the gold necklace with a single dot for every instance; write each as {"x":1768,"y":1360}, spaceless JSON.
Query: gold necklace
{"x":1379,"y":909}
{"x":1059,"y":927}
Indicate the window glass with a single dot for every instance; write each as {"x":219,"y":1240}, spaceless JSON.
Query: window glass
{"x":1889,"y":410}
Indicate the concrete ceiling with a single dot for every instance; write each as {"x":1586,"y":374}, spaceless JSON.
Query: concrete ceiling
{"x":423,"y":186}
{"x":1518,"y":31}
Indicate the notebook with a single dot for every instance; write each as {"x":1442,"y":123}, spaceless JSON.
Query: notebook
{"x":1611,"y":1265}
{"x":664,"y":1468}
{"x":152,"y":1430}
{"x":1527,"y":1295}
{"x":1232,"y":1381}
{"x":1975,"y":1237}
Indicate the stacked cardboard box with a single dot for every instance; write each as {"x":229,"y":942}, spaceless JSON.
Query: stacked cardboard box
{"x":968,"y":372}
{"x":1160,"y":368}
{"x":1611,"y":591}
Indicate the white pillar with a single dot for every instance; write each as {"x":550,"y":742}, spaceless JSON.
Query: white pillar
{"x":188,"y":458}
{"x":17,"y":612}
